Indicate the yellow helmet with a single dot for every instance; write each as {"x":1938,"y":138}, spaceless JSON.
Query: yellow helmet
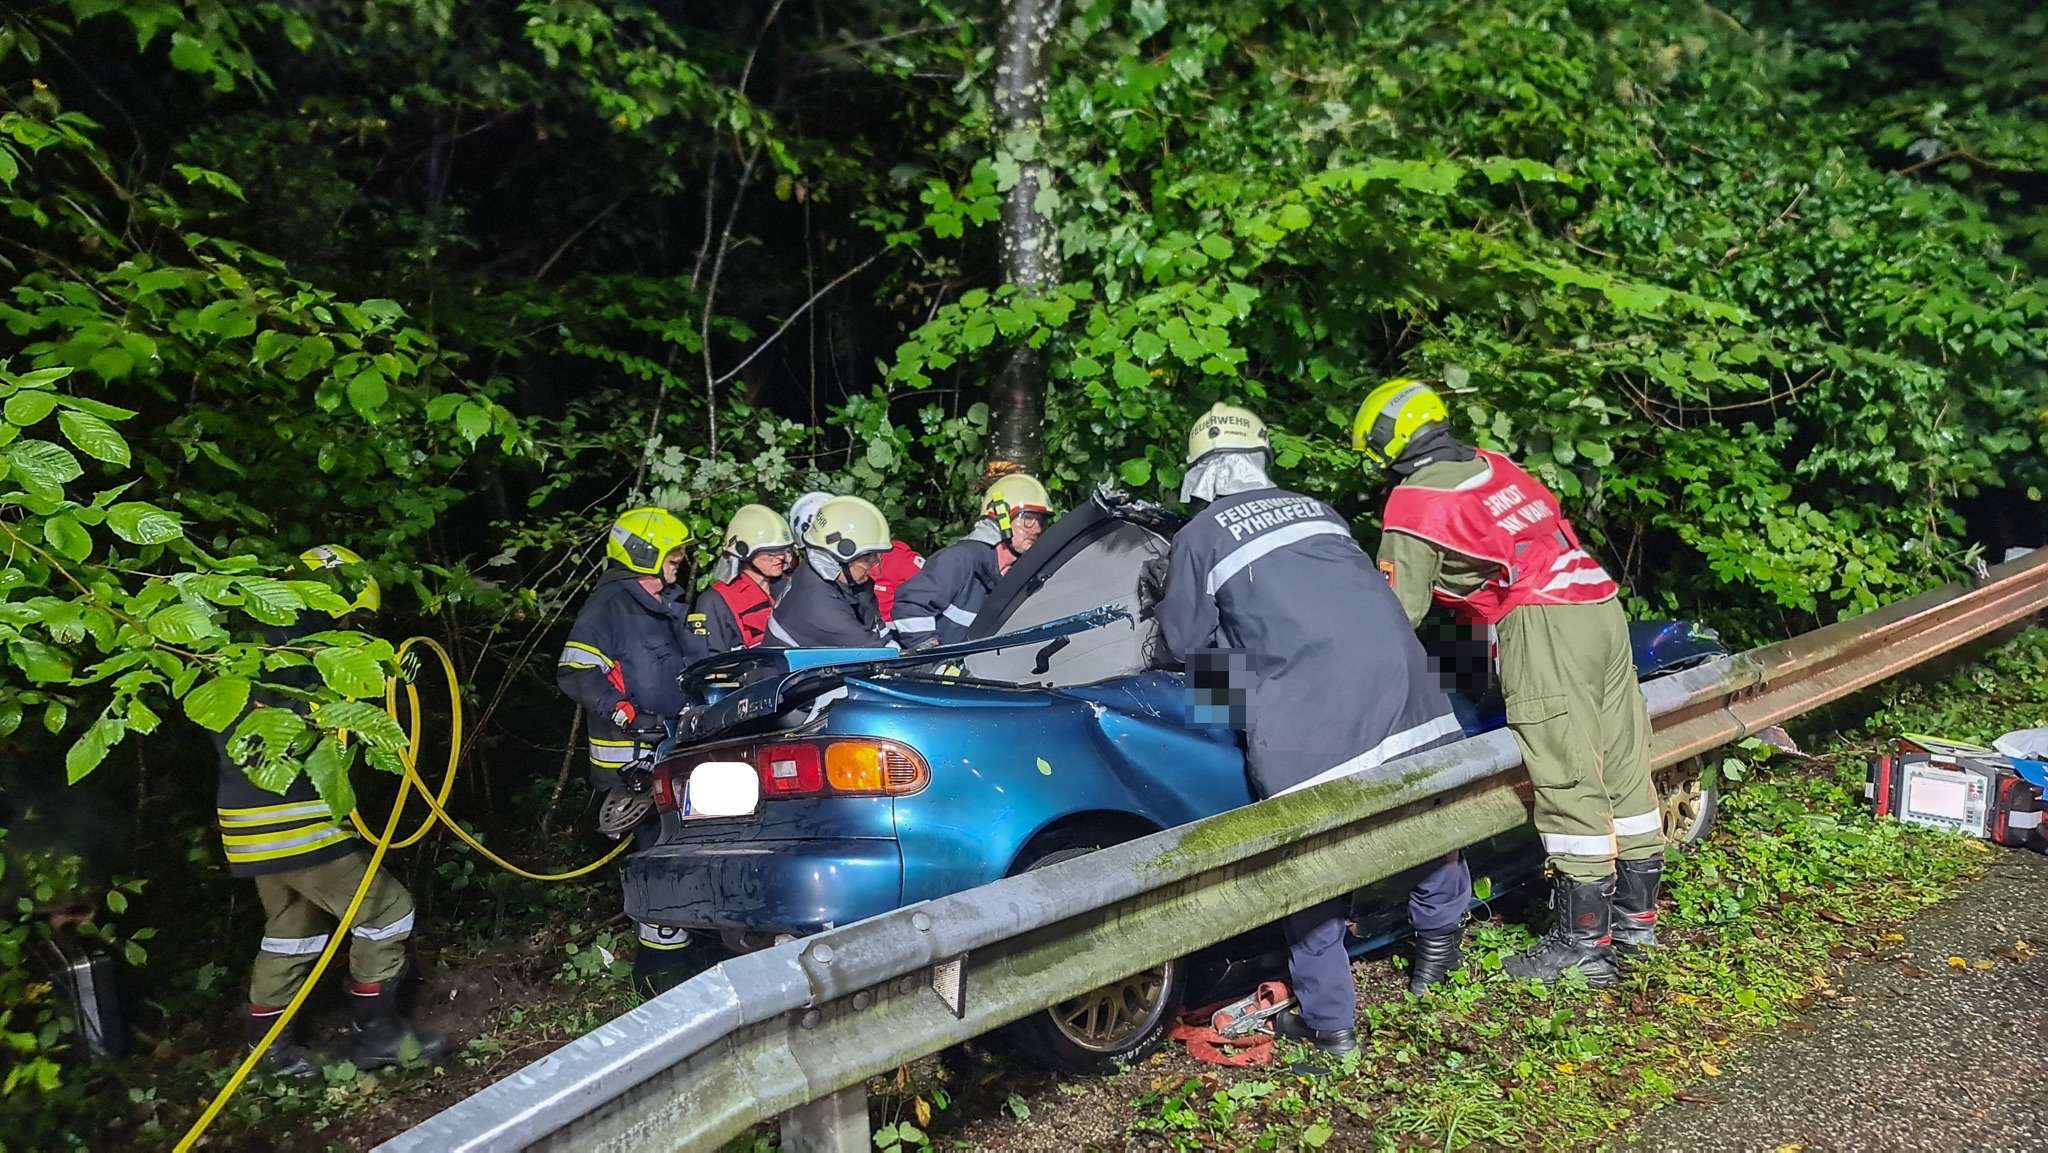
{"x":1391,"y":416}
{"x":1227,"y":428}
{"x":1015,"y":493}
{"x":643,"y":537}
{"x":847,"y":527}
{"x":351,"y":571}
{"x":756,"y":528}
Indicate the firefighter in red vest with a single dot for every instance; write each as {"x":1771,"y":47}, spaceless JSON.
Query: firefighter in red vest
{"x":1469,"y":529}
{"x":753,"y":571}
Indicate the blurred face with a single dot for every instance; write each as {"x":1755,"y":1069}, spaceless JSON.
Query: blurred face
{"x":860,"y":568}
{"x":771,"y":563}
{"x":1025,"y":528}
{"x":672,"y":567}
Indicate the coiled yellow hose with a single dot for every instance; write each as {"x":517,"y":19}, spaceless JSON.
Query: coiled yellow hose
{"x":436,"y":814}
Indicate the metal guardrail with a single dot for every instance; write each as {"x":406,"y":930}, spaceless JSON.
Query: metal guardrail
{"x":798,"y":1029}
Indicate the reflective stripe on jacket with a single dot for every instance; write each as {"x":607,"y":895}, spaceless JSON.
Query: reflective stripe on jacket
{"x":942,"y":599}
{"x":1268,"y":591}
{"x":626,"y":645}
{"x":264,"y":832}
{"x":291,"y":834}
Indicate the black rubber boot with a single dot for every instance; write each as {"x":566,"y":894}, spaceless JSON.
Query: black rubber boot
{"x":383,"y":1035}
{"x":1636,"y":884}
{"x":1578,"y":936}
{"x":286,"y":1057}
{"x":1436,"y":955}
{"x":1331,"y":1042}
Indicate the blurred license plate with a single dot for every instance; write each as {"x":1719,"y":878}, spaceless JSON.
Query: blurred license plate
{"x":721,"y":789}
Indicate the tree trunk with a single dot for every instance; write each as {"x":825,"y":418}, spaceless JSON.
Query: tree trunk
{"x":1030,"y":252}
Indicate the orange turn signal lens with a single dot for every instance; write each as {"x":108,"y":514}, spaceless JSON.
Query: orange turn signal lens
{"x":870,"y":766}
{"x":854,"y":766}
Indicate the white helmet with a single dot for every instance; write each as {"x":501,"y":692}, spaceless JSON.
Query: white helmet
{"x":803,"y":510}
{"x":1226,"y":428}
{"x":847,"y":527}
{"x":1014,"y":493}
{"x":755,"y":528}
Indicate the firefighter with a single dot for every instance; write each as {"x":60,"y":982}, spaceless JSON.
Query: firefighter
{"x":307,"y":865}
{"x":1269,"y":584}
{"x":1471,"y":530}
{"x":831,"y":598}
{"x":629,"y":643}
{"x":753,"y":573}
{"x":939,"y":603}
{"x":888,"y":575}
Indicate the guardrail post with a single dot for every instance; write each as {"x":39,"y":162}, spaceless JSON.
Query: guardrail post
{"x":835,"y":1124}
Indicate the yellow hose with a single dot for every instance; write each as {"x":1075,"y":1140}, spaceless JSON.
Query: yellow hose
{"x":436,"y":814}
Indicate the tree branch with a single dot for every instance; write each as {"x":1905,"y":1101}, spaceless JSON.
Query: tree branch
{"x":762,"y":347}
{"x":607,"y":210}
{"x":739,"y":196}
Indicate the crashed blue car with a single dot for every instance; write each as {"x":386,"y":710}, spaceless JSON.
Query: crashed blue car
{"x":1056,"y":729}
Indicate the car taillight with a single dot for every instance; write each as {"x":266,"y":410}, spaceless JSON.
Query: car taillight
{"x":664,"y":787}
{"x":871,"y":766}
{"x":855,"y":766}
{"x":791,"y":770}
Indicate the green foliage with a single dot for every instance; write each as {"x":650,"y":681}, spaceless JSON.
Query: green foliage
{"x":137,"y":616}
{"x":1766,"y":382}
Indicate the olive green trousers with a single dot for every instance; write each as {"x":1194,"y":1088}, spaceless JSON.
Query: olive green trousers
{"x":1575,"y":708}
{"x":303,"y":907}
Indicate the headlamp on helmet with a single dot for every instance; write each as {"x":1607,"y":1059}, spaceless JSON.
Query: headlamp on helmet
{"x":1013,"y":494}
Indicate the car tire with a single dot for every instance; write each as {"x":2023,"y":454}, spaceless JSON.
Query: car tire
{"x":1689,"y":803}
{"x":1140,"y":1011}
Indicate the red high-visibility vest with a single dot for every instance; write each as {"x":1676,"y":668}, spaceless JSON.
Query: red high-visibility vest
{"x":1506,"y":517}
{"x":750,"y":605}
{"x":899,"y":564}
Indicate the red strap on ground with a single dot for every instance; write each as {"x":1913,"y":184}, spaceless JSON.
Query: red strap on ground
{"x":1205,"y":1044}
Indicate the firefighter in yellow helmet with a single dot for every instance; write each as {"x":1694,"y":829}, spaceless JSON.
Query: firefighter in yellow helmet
{"x":1471,"y":530}
{"x":630,"y":641}
{"x":940,"y":602}
{"x":306,"y":865}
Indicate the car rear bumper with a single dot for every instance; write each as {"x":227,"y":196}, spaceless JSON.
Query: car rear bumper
{"x":797,"y":887}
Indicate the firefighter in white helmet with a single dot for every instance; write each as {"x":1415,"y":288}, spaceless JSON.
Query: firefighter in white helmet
{"x":753,"y":573}
{"x":1273,"y":606}
{"x":831,"y":598}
